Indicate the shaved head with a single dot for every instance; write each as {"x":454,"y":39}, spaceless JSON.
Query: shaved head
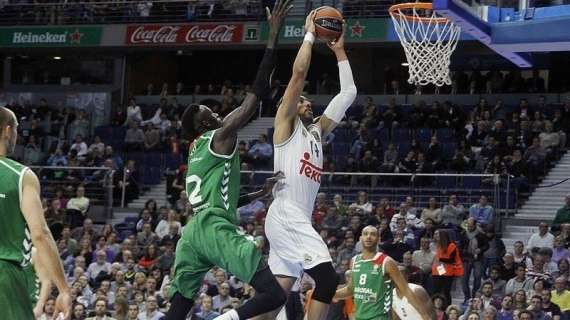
{"x":8,"y":133}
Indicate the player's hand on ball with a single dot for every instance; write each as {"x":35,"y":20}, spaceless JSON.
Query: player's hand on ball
{"x":63,"y":305}
{"x":310,"y":22}
{"x":338,"y":44}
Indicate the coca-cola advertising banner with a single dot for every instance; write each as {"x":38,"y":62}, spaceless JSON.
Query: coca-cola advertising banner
{"x":163,"y":35}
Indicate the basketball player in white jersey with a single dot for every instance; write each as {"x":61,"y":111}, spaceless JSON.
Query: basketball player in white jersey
{"x":295,"y":247}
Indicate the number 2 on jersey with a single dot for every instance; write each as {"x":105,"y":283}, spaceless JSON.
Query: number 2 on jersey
{"x":194,"y":197}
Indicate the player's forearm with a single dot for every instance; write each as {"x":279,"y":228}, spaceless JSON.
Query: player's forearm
{"x":303,"y":59}
{"x":343,"y":293}
{"x":49,"y":257}
{"x":250,"y":197}
{"x":340,"y":55}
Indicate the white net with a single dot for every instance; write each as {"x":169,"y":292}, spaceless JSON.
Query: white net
{"x":428,"y":41}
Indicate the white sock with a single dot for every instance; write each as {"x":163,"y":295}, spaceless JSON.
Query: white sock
{"x":230,"y":315}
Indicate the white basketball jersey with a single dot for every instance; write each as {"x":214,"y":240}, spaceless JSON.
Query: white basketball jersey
{"x":300,"y":158}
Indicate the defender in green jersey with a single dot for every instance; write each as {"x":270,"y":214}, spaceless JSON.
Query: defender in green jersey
{"x":22,"y":224}
{"x":212,"y":183}
{"x":374,"y":276}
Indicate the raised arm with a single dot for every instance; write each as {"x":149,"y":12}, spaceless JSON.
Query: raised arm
{"x":404,"y":290}
{"x":43,"y":241}
{"x":343,"y":100}
{"x":287,"y":110}
{"x":224,"y":138}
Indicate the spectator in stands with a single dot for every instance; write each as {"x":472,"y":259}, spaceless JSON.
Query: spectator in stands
{"x":134,"y":113}
{"x":261,"y":152}
{"x":390,"y":159}
{"x":482,"y":212}
{"x":134,"y":138}
{"x":519,"y":254}
{"x":145,"y":218}
{"x":77,"y":207}
{"x":550,"y":309}
{"x":206,"y":311}
{"x":453,"y":213}
{"x":97,"y":145}
{"x":487,"y":298}
{"x":339,"y":205}
{"x":434,"y":154}
{"x":80,"y":126}
{"x":49,"y":309}
{"x":71,"y":243}
{"x":408,"y":233}
{"x":496,"y":248}
{"x":560,"y":252}
{"x":535,"y":156}
{"x":498,"y":283}
{"x":411,"y":219}
{"x":80,"y":147}
{"x":164,"y":225}
{"x":151,"y":138}
{"x":146,"y":236}
{"x":549,"y":140}
{"x":423,"y":259}
{"x":508,"y":267}
{"x":100,"y":310}
{"x":57,"y":159}
{"x":541,"y":239}
{"x":131,"y":184}
{"x":560,"y":295}
{"x":447,"y":264}
{"x":506,"y":311}
{"x":150,"y":257}
{"x":472,"y":255}
{"x":32,"y":151}
{"x":432,"y":212}
{"x":362,"y":205}
{"x":563,"y":214}
{"x":116,"y":159}
{"x":100,"y":268}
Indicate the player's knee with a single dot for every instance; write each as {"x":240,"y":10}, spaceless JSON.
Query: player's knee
{"x":264,"y":283}
{"x":326,"y":281}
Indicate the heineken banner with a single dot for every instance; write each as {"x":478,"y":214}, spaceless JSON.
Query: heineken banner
{"x":358,"y":30}
{"x":50,"y":37}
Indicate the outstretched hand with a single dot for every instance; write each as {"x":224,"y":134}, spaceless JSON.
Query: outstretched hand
{"x":275,"y":18}
{"x":271,"y":181}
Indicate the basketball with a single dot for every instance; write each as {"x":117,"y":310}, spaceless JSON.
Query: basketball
{"x":328,"y":23}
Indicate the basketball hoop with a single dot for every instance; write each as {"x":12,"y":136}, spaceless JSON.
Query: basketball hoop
{"x":428,"y":41}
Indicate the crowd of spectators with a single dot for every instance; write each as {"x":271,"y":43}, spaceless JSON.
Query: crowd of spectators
{"x":64,"y":12}
{"x":126,"y":274}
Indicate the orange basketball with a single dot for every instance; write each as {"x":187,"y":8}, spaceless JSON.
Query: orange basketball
{"x":328,"y":23}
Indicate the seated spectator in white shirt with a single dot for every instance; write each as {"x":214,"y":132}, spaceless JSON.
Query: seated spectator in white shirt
{"x":79,"y":146}
{"x":362,"y":205}
{"x":80,"y":202}
{"x":163,"y":227}
{"x":541,"y":239}
{"x":99,"y":266}
{"x":97,"y":145}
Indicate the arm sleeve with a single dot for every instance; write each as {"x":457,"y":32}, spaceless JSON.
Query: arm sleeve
{"x":344,"y":99}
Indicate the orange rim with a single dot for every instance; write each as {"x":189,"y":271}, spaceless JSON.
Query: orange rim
{"x":395,"y":12}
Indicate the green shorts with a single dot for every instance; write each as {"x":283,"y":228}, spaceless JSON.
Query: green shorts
{"x":14,"y":297}
{"x":211,"y":240}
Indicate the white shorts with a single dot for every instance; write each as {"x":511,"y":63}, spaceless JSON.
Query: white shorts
{"x":403,"y":308}
{"x":294,"y":244}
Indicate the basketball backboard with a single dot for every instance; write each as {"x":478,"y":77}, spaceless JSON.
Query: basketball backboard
{"x":514,"y":33}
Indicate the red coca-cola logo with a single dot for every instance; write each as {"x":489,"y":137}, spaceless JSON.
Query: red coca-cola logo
{"x":183,"y":34}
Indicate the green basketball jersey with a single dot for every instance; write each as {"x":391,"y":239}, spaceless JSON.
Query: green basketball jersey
{"x":15,"y":238}
{"x":33,"y":283}
{"x":372,"y":290}
{"x":213,"y":180}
